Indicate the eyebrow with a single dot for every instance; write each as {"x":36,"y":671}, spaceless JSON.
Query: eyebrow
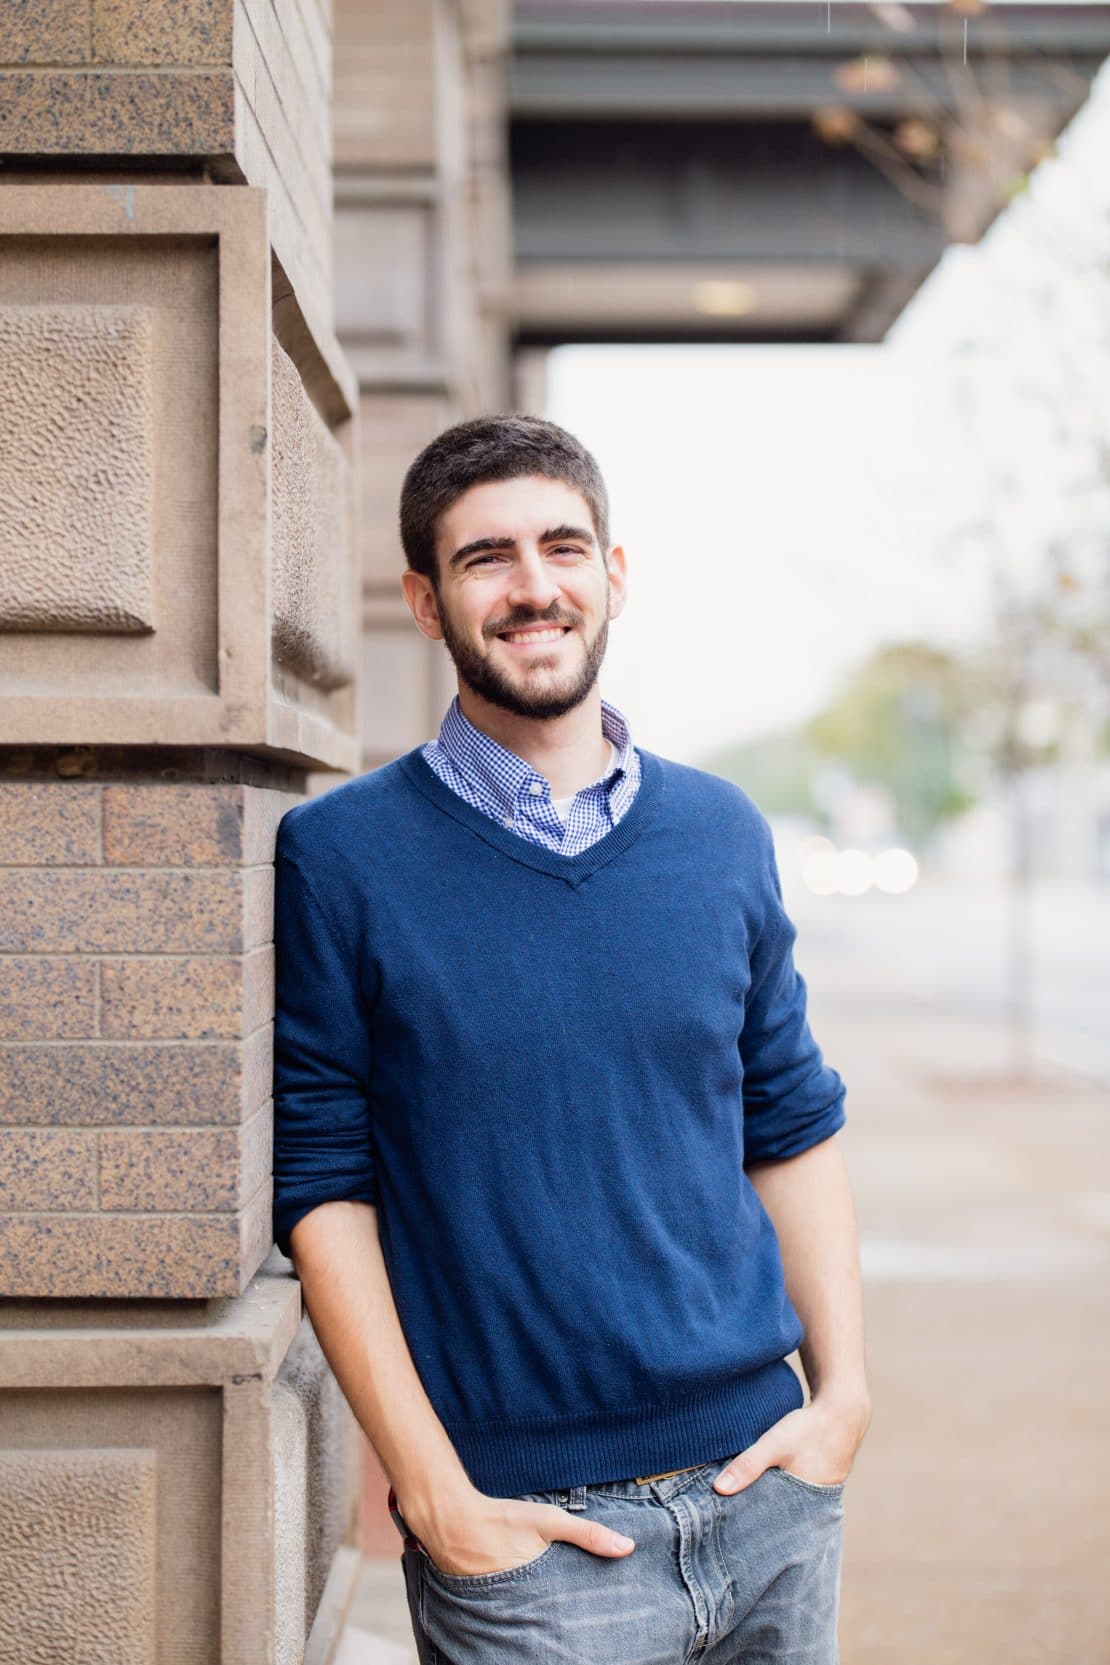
{"x":557,"y":534}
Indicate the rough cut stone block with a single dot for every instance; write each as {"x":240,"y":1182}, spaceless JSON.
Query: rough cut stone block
{"x":50,"y":999}
{"x":114,"y":1084}
{"x":192,"y":268}
{"x":193,"y":1170}
{"x":334,"y":1452}
{"x":201,"y":999}
{"x":77,"y":1545}
{"x":77,"y":426}
{"x":43,"y":823}
{"x":134,"y":1256}
{"x":314,"y":623}
{"x":190,"y":1394}
{"x":104,"y":912}
{"x":162,"y":32}
{"x":47,"y":1168}
{"x":190,"y":825}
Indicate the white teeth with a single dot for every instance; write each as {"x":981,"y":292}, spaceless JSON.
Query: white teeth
{"x":534,"y":636}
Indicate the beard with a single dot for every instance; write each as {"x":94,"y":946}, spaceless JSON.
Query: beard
{"x":491,"y":683}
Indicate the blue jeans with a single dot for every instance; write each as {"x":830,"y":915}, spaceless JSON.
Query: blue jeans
{"x":751,"y":1579}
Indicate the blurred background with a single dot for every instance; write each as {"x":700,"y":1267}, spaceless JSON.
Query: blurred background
{"x":872,"y":581}
{"x":826,"y":289}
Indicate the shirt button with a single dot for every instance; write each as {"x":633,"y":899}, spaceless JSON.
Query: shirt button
{"x":536,"y":788}
{"x":508,"y":820}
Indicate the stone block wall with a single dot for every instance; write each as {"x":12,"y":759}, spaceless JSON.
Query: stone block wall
{"x":149,"y":594}
{"x":177,"y":1483}
{"x":241,"y":90}
{"x":136,"y":1000}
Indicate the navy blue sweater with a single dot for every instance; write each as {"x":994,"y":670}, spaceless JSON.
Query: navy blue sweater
{"x":548,"y":1073}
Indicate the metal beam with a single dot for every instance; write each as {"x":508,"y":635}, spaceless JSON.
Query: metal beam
{"x":664,"y":151}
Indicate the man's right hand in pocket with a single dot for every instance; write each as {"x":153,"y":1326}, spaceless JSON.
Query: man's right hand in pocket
{"x":494,"y":1534}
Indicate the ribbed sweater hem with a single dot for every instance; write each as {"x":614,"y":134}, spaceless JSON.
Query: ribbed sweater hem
{"x":506,"y":1458}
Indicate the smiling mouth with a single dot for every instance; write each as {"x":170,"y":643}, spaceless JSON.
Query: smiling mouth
{"x":526,"y":638}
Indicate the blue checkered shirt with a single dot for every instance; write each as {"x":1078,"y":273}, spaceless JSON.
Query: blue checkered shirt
{"x":493,"y":779}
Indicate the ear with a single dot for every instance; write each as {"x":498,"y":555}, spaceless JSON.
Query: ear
{"x":419,"y":592}
{"x":617,"y":567}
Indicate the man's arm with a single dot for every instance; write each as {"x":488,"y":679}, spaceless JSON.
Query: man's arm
{"x":810,"y":1204}
{"x":793,"y":1107}
{"x":339,"y":1261}
{"x":348,"y":1297}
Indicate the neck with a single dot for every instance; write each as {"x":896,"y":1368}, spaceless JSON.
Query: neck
{"x":571,"y":750}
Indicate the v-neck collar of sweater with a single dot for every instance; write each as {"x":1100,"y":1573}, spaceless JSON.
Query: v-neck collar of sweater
{"x":571,"y":869}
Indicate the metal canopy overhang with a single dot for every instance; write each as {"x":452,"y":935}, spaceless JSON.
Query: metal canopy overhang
{"x":670,"y":182}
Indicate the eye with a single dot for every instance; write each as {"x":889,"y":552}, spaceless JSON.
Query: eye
{"x":480,"y":560}
{"x":566,"y":549}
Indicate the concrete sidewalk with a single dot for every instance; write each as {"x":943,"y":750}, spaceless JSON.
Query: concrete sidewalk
{"x":977,"y":1525}
{"x":977,"y":1528}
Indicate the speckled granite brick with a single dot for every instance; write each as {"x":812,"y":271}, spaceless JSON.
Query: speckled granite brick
{"x":192,"y":825}
{"x":78,"y":1543}
{"x":256,"y":1235}
{"x":117,"y":113}
{"x":256,"y":1152}
{"x":162,"y":31}
{"x":202,"y":999}
{"x":42,"y":824}
{"x":120,"y":1255}
{"x":114,"y":1083}
{"x":105,"y":912}
{"x":48,"y":1168}
{"x":194,"y":1170}
{"x":49,"y":999}
{"x":258,"y":907}
{"x":46,"y":32}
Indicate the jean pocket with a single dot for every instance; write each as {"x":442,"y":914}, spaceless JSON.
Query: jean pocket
{"x":823,"y":1488}
{"x":462,"y":1582}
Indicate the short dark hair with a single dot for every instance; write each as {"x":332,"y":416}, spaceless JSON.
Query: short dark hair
{"x":492,"y":448}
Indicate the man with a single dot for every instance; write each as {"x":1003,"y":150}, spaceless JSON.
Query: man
{"x":554,"y":1152}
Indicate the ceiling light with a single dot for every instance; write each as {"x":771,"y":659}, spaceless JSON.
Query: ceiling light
{"x":723,"y":299}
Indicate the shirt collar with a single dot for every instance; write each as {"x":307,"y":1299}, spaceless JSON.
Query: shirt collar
{"x":501,"y":774}
{"x":614,"y":726}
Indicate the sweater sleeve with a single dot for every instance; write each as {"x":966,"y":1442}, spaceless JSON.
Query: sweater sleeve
{"x":322,"y":1150}
{"x":792,"y":1099}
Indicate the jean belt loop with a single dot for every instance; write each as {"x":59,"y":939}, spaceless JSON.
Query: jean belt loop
{"x":577,"y":1497}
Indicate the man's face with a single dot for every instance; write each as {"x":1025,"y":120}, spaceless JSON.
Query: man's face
{"x":524,"y":594}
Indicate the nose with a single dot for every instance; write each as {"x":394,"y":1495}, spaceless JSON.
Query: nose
{"x":533,"y":583}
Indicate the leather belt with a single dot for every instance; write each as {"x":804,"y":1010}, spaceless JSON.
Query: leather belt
{"x":642,"y":1479}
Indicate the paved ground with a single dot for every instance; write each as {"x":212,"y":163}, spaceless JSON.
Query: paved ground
{"x":977,"y":1517}
{"x":977,"y":1526}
